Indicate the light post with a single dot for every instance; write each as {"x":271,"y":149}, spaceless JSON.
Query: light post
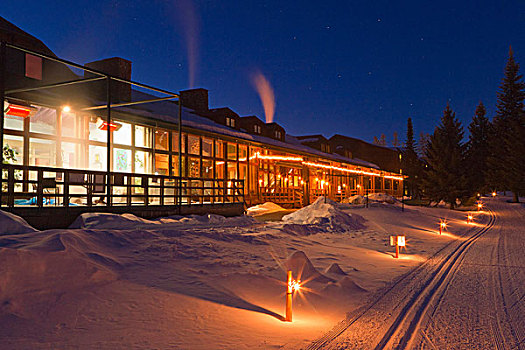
{"x":398,"y":241}
{"x":291,"y":286}
{"x":442,"y":226}
{"x":469,"y":218}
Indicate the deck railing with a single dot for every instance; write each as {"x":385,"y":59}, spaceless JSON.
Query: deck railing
{"x":44,"y":186}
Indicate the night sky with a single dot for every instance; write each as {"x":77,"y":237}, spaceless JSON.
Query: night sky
{"x":358,"y":68}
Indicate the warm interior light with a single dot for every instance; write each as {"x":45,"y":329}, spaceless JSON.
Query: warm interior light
{"x":66,"y":109}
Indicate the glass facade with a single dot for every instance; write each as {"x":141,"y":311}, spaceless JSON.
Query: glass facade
{"x":78,"y":140}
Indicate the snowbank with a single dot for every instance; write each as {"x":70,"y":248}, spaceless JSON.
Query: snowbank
{"x":265,"y":208}
{"x":130,"y":221}
{"x":326,"y":214}
{"x":13,"y":224}
{"x":357,"y":199}
{"x":303,"y":269}
{"x":372,"y":197}
{"x":381,"y":197}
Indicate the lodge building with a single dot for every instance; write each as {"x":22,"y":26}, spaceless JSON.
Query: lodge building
{"x":82,"y":138}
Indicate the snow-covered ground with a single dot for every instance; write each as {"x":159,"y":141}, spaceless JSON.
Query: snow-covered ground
{"x":204,"y":282}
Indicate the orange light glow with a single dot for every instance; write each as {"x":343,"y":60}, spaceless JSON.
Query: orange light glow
{"x":66,"y":109}
{"x":18,"y":111}
{"x":494,"y":194}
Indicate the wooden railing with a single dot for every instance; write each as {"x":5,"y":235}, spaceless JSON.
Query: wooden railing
{"x":43,"y":187}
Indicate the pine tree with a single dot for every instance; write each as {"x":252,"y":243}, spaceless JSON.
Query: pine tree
{"x":478,"y":150}
{"x":411,"y":163}
{"x":445,"y":179}
{"x":506,"y":163}
{"x":421,"y":146}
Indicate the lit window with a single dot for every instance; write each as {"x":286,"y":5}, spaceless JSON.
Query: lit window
{"x":278,"y":134}
{"x":230,"y":122}
{"x":257,"y":129}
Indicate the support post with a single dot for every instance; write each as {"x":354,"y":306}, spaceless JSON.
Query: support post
{"x":108,"y":120}
{"x":2,"y":98}
{"x":397,"y":249}
{"x":403,"y":196}
{"x":180,"y":153}
{"x":289,"y":291}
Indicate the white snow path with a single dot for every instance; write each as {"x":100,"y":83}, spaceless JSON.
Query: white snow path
{"x":470,"y":295}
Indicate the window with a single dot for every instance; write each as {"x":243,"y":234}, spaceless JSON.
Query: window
{"x":142,"y":162}
{"x":257,"y":129}
{"x":122,"y":136}
{"x":16,"y":144}
{"x":194,"y":167}
{"x":207,"y":168}
{"x":243,"y":153}
{"x":162,"y":164}
{"x":230,"y":122}
{"x":175,"y":142}
{"x":219,"y":149}
{"x":72,"y":125}
{"x":97,"y":158}
{"x":12,"y":122}
{"x":122,"y":160}
{"x":143,"y":136}
{"x":42,"y":152}
{"x":278,"y":135}
{"x":194,"y":144}
{"x":207,"y":147}
{"x":232,"y":151}
{"x":44,"y":121}
{"x":95,"y":134}
{"x":71,"y":154}
{"x":161,"y":140}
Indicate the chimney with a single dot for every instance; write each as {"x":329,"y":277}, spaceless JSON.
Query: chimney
{"x":117,"y":67}
{"x":196,"y":99}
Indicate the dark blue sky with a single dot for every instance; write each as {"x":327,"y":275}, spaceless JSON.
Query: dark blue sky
{"x":358,"y":68}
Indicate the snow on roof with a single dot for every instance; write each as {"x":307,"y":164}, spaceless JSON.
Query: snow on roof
{"x":168,"y":111}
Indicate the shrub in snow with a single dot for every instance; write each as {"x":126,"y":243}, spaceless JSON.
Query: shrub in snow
{"x":381,"y":197}
{"x":326,"y":214}
{"x":13,"y":224}
{"x":357,"y":199}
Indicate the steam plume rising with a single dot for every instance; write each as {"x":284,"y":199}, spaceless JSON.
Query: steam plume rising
{"x":187,"y":17}
{"x":265,"y":91}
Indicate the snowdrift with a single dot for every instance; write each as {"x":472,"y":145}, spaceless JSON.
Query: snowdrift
{"x":373,"y":197}
{"x":266,"y":208}
{"x":325,"y":215}
{"x":303,"y":268}
{"x":130,"y":221}
{"x":11,"y":224}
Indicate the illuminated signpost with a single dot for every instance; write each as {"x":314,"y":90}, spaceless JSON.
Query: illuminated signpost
{"x":398,"y":241}
{"x":480,"y":206}
{"x":291,"y":287}
{"x":469,"y":218}
{"x":442,"y":226}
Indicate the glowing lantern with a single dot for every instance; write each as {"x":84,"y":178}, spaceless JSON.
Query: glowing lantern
{"x":66,"y":109}
{"x":398,"y":241}
{"x":494,"y":194}
{"x":480,"y":206}
{"x":469,"y":218}
{"x":291,"y":286}
{"x":442,"y":226}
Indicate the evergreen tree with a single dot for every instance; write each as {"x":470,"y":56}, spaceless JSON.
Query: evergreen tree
{"x":478,"y":150}
{"x":410,"y":162}
{"x":506,"y":163}
{"x":421,"y":146}
{"x":382,"y":140}
{"x":445,"y":178}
